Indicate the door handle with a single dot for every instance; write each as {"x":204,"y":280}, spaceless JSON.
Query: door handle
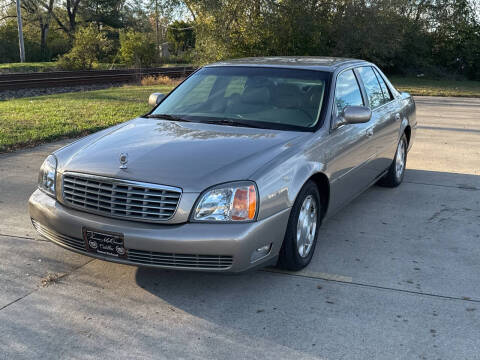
{"x":397,"y":116}
{"x":369,"y":132}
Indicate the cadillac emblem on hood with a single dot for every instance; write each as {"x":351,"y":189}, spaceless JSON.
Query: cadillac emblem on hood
{"x":123,"y":160}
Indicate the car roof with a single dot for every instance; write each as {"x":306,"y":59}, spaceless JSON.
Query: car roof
{"x":321,"y":63}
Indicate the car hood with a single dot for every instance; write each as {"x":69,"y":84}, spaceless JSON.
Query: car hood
{"x":192,"y":156}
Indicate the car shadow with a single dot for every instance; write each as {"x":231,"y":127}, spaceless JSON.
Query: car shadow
{"x":439,"y":178}
{"x":243,"y":301}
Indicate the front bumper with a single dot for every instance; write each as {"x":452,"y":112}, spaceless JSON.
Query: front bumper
{"x":64,"y":226}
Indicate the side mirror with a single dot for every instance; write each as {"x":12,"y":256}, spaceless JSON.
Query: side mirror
{"x":354,"y":115}
{"x":155,"y":99}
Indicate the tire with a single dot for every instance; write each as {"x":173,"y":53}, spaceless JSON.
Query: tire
{"x":308,"y":205}
{"x":396,"y":171}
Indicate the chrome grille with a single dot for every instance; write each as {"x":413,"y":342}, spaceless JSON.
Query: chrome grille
{"x":180,"y":260}
{"x":120,"y":198}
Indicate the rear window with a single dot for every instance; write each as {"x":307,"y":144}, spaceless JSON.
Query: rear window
{"x":387,"y":95}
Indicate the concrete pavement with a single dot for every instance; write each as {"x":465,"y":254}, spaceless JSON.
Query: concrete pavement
{"x":395,"y":275}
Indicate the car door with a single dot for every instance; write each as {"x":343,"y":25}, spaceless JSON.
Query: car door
{"x":350,"y":147}
{"x":387,"y":146}
{"x":385,"y":118}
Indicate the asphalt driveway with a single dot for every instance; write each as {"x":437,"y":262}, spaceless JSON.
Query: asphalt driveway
{"x":396,"y":275}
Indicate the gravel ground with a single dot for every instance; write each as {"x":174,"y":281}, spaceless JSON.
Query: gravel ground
{"x":21,"y":93}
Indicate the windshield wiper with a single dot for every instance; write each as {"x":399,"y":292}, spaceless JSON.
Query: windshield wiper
{"x":167,"y":117}
{"x":231,"y":122}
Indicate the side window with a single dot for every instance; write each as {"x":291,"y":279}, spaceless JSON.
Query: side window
{"x":347,"y":91}
{"x":372,"y":87}
{"x":386,"y":92}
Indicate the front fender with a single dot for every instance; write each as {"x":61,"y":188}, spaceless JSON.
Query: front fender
{"x":303,"y":174}
{"x":280,"y":185}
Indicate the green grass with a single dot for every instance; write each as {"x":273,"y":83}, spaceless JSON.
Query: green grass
{"x":31,"y":121}
{"x":28,"y":67}
{"x":428,"y":87}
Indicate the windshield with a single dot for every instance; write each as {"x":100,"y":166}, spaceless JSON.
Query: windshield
{"x":256,"y":96}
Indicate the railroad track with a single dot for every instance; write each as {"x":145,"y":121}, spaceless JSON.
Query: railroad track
{"x":86,"y":77}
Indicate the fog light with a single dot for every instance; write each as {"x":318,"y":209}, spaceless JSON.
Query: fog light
{"x":261,"y":252}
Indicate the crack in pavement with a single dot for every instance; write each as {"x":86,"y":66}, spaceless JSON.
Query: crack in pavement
{"x":347,"y":282}
{"x":461,"y":187}
{"x":24,"y":237}
{"x":38,"y":288}
{"x":340,"y":279}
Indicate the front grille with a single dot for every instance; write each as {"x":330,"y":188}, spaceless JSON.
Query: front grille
{"x":140,"y":257}
{"x":120,"y":198}
{"x":180,"y":260}
{"x":78,"y":244}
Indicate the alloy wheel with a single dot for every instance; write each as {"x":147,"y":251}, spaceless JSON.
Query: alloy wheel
{"x":400,"y":159}
{"x":306,"y":226}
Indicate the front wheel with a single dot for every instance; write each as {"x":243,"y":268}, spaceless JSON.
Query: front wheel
{"x":301,"y":235}
{"x":396,"y":171}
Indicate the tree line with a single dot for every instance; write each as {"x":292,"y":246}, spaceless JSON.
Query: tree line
{"x":83,"y":32}
{"x":433,"y":37}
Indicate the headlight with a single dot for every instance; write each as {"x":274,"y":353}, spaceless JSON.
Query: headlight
{"x":228,"y":202}
{"x":47,"y":175}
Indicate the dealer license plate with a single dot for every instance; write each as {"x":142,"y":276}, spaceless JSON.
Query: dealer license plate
{"x":104,"y":243}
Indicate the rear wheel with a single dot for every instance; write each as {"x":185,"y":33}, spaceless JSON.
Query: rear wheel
{"x":396,"y":171}
{"x":301,"y":235}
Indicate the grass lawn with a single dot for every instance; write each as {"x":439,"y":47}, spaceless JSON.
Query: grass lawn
{"x":31,"y":121}
{"x":427,"y":87}
{"x":27,"y":67}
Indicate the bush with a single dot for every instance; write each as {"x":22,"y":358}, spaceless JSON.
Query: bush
{"x":58,"y":44}
{"x":137,"y":49}
{"x":9,"y":43}
{"x":160,"y":80}
{"x":88,"y":47}
{"x":185,"y":58}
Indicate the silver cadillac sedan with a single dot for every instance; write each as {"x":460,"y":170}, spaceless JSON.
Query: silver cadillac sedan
{"x":235,"y":168}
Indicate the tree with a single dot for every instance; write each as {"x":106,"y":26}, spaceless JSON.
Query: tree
{"x":456,"y":34}
{"x":71,"y":8}
{"x":9,"y":41}
{"x":88,"y":47}
{"x":40,"y":12}
{"x":137,"y":49}
{"x":161,"y":11}
{"x":181,"y":36}
{"x":439,"y":37}
{"x":104,"y":12}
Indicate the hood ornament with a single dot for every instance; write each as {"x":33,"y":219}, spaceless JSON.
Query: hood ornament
{"x":123,"y":160}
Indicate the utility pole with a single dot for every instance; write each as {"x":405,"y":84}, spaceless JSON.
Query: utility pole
{"x":157,"y":35}
{"x":20,"y":32}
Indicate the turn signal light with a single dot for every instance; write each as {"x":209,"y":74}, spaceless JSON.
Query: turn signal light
{"x":244,"y":203}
